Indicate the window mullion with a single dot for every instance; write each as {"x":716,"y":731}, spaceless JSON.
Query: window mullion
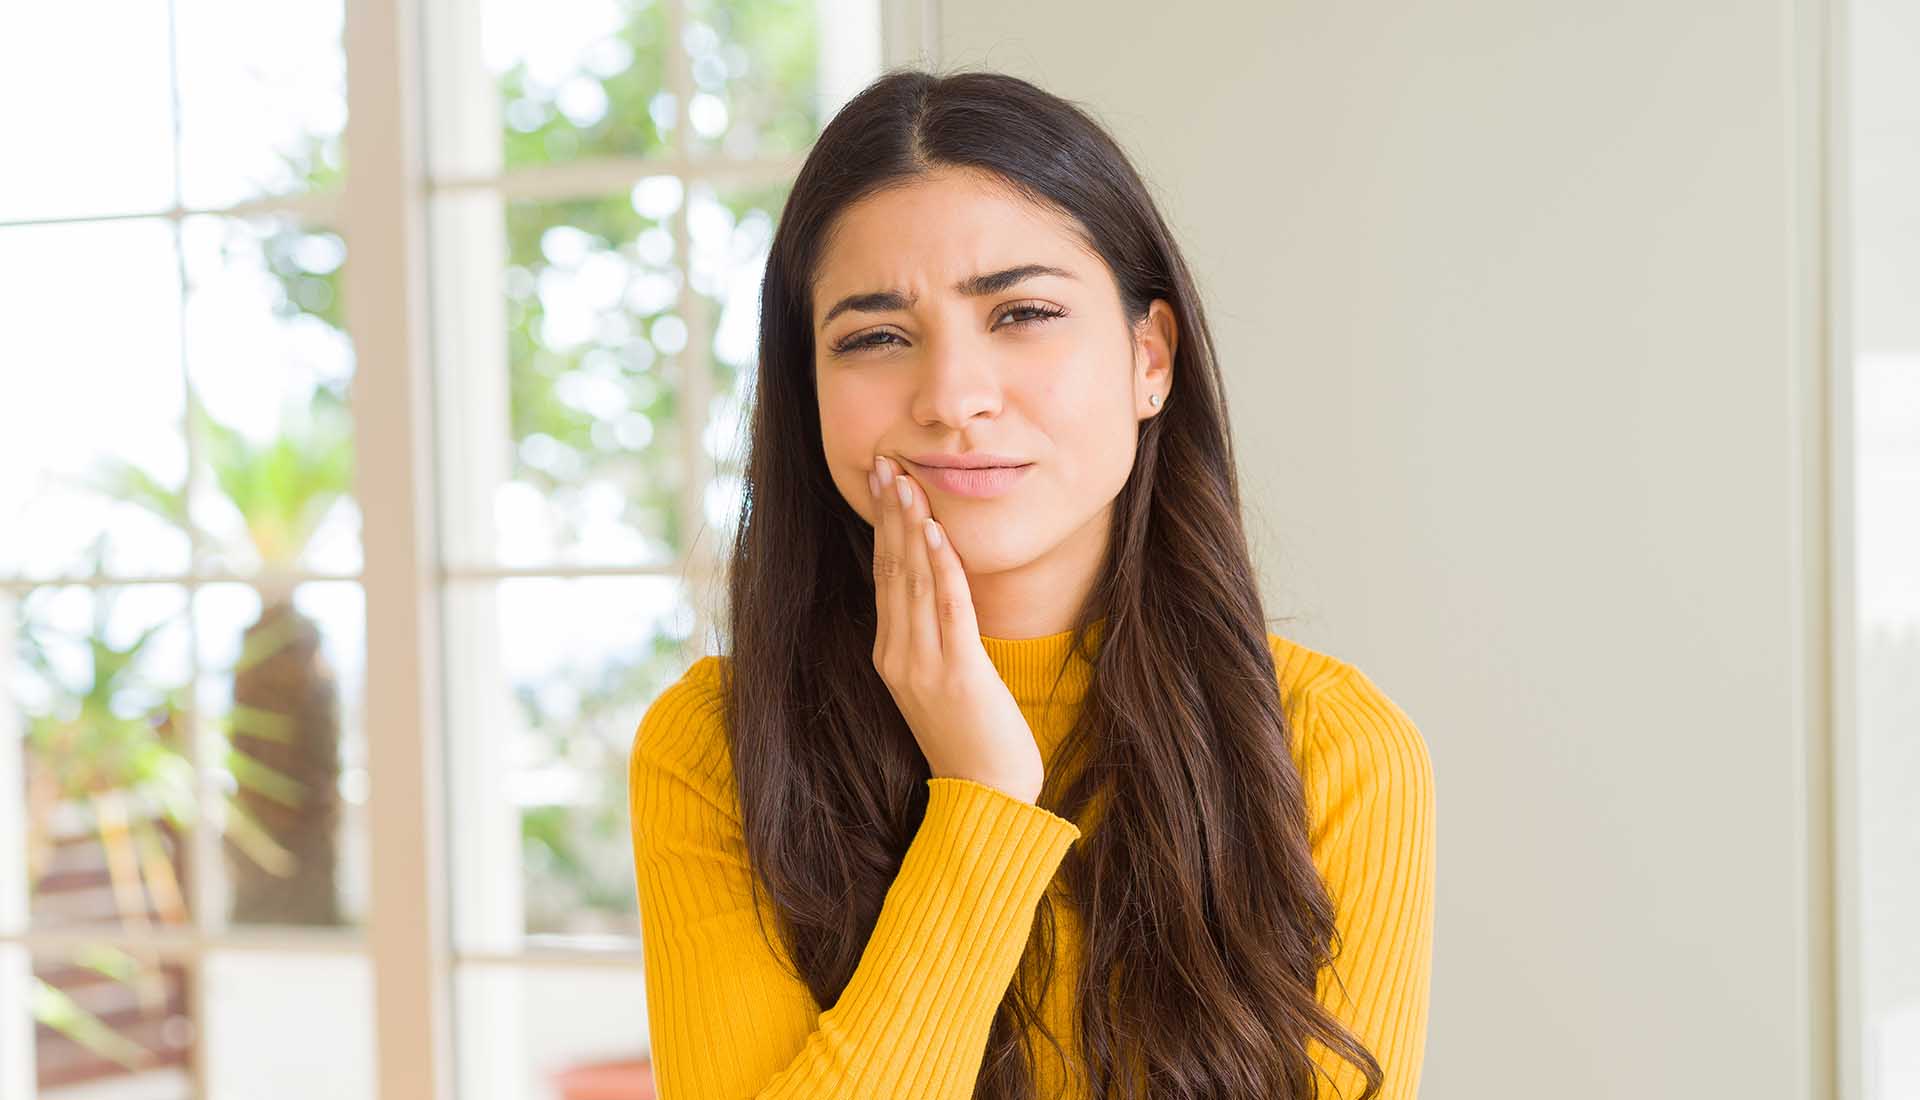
{"x":386,"y":311}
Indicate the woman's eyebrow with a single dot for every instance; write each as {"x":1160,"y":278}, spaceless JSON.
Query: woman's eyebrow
{"x":975,"y":286}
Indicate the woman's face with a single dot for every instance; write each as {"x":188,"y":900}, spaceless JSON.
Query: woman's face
{"x":911,"y":362}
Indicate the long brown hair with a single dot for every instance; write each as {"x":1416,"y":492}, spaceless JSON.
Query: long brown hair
{"x":1204,"y":894}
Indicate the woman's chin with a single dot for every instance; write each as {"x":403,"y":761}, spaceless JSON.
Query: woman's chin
{"x":986,"y":548}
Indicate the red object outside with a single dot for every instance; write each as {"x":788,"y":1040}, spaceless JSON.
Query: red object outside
{"x":624,"y":1079}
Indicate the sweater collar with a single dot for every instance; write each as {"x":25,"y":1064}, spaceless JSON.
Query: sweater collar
{"x":1029,"y":666}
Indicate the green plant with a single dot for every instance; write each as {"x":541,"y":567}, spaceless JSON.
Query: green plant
{"x":280,"y":736}
{"x":112,"y":746}
{"x":285,"y":718}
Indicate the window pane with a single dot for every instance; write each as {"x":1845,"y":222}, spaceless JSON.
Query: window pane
{"x":271,"y":366}
{"x":551,"y":1032}
{"x":580,"y":80}
{"x":111,"y":1024}
{"x":90,"y":484}
{"x":281,"y":689}
{"x":756,"y":76}
{"x":549,"y":679}
{"x":288,"y":1026}
{"x":591,"y":471}
{"x":98,"y":138}
{"x":101,"y":685}
{"x":263,"y":98}
{"x":731,"y":231}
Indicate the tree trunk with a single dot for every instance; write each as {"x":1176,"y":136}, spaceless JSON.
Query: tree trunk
{"x":283,"y":671}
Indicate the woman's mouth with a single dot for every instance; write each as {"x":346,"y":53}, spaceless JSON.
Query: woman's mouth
{"x":984,"y":481}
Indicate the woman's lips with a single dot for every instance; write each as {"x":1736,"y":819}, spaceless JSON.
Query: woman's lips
{"x":986,"y":481}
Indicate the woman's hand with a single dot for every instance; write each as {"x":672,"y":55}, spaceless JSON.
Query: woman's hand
{"x":927,"y":648}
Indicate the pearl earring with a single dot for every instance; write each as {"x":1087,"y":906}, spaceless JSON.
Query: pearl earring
{"x":1154,"y":400}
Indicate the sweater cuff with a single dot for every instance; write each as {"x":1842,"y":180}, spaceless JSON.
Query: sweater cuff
{"x":987,"y":856}
{"x":991,"y":808}
{"x":954,"y":924}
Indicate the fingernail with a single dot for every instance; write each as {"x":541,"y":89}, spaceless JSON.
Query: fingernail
{"x":933,"y":533}
{"x":906,"y":491}
{"x":885,"y":469}
{"x":873,"y":483}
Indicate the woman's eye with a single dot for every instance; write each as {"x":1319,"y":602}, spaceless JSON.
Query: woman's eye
{"x":864,"y":340}
{"x":1022,"y":316}
{"x":1038,"y":313}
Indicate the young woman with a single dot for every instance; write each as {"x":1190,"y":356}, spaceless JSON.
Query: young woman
{"x":1005,"y":790}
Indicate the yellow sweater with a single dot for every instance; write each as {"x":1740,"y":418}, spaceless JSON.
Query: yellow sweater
{"x":727,"y":1023}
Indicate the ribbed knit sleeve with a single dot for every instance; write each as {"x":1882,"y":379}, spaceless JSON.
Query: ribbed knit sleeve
{"x":729,"y":1022}
{"x":1370,"y":791}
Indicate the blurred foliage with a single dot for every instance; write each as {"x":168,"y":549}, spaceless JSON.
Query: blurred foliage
{"x":578,"y":854}
{"x":578,"y":860}
{"x":112,"y":745}
{"x":286,"y":486}
{"x":53,"y":1007}
{"x":127,"y":766}
{"x":573,"y":402}
{"x":761,"y":59}
{"x":569,"y":398}
{"x":626,"y":74}
{"x":306,"y":287}
{"x":111,"y":749}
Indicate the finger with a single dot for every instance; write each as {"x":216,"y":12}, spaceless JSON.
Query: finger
{"x":953,"y":598}
{"x":923,"y":611}
{"x":899,"y":608}
{"x":882,"y":606}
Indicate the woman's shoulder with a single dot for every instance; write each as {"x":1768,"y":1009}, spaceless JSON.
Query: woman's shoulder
{"x":690,"y":704}
{"x":682,"y":733}
{"x":1346,"y":728}
{"x":1302,"y":671}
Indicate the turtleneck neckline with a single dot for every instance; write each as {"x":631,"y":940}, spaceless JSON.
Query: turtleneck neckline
{"x":1029,"y":666}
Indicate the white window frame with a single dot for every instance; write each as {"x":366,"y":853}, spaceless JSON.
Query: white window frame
{"x":1827,"y":35}
{"x":394,"y":285}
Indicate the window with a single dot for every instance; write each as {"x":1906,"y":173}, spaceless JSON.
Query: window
{"x":368,"y":452}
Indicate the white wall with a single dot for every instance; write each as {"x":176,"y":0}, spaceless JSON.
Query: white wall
{"x":1516,"y":334}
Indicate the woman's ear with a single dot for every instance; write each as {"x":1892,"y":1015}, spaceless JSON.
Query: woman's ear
{"x":1155,"y":340}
